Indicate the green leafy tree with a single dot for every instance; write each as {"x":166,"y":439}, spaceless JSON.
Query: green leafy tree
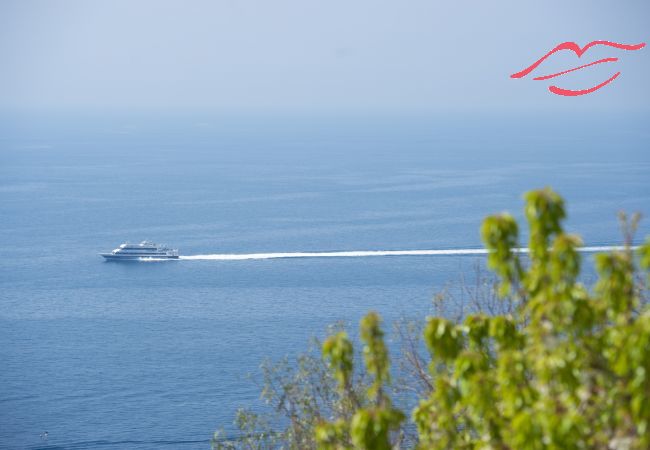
{"x":568,"y":369}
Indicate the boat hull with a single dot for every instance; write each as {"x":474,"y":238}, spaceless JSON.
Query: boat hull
{"x":112,"y":257}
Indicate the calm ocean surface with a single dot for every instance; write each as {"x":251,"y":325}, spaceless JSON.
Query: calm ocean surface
{"x":155,"y":355}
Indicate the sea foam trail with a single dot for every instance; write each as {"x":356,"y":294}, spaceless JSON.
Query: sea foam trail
{"x":367,"y":253}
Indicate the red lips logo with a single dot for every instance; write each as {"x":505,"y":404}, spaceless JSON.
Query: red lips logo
{"x":579,"y":52}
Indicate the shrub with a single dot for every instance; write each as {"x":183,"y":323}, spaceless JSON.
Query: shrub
{"x":565,"y":367}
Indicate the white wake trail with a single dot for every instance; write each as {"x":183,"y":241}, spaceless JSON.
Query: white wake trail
{"x":367,"y":253}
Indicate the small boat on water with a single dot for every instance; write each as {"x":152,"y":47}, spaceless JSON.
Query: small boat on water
{"x":143,"y":251}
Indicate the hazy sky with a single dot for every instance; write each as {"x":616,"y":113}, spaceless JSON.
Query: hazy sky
{"x":304,"y":55}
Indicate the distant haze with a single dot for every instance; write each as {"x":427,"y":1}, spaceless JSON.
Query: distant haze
{"x":303,"y":55}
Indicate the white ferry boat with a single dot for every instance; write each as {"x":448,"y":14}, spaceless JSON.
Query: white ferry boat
{"x":143,"y":251}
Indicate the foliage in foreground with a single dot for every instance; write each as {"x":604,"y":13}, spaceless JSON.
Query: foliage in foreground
{"x":569,"y":368}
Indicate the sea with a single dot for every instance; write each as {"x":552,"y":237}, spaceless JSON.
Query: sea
{"x":151,"y":355}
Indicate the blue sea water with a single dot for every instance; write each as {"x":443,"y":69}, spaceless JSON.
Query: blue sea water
{"x":155,"y":355}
